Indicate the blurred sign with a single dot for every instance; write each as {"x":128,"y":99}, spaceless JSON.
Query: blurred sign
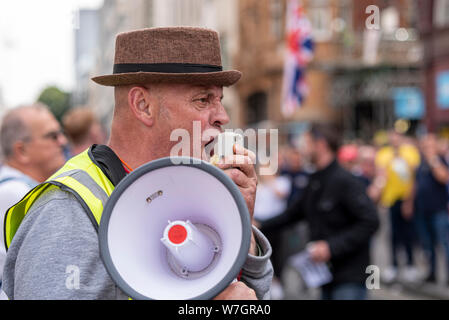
{"x":408,"y":103}
{"x":442,"y":87}
{"x":314,"y":274}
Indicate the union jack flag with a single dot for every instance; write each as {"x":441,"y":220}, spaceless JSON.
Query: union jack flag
{"x":299,"y":53}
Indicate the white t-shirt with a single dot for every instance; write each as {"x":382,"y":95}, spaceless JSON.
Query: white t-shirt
{"x":11,"y":192}
{"x":269,"y":204}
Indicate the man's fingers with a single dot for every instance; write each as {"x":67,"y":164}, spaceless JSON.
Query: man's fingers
{"x":238,"y":149}
{"x":244,"y":163}
{"x":237,"y":291}
{"x":239,"y":178}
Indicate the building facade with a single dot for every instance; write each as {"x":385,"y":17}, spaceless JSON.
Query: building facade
{"x":434,"y":30}
{"x":355,"y":69}
{"x":367,"y":62}
{"x":115,"y":16}
{"x":379,"y":67}
{"x":86,"y":47}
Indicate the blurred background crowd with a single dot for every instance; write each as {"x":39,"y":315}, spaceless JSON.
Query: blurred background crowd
{"x":379,"y":69}
{"x":406,"y":176}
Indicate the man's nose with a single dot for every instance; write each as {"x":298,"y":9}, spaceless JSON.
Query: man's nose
{"x":220,"y":117}
{"x":62,"y":140}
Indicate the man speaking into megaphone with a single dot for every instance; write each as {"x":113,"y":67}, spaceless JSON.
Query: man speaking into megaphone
{"x":164,"y":79}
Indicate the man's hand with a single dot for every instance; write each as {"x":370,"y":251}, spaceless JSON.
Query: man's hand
{"x":240,"y":168}
{"x":237,"y":291}
{"x":319,"y":251}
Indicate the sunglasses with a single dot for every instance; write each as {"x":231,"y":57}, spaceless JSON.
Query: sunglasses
{"x":53,"y":135}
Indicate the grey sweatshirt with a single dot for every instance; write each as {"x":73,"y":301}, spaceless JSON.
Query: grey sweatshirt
{"x":55,"y":255}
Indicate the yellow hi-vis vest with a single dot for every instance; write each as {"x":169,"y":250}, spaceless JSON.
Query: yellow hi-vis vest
{"x":79,"y":176}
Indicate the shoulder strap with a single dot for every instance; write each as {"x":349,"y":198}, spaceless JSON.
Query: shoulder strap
{"x":91,"y":196}
{"x":106,"y":159}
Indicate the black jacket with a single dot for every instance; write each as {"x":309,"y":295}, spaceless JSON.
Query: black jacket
{"x":337,"y":210}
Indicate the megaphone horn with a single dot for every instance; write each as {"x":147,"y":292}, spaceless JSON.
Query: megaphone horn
{"x":175,"y":231}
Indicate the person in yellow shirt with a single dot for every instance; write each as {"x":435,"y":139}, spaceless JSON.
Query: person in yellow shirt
{"x":397,"y":164}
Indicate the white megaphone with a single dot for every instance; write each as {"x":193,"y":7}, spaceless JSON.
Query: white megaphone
{"x":175,"y":228}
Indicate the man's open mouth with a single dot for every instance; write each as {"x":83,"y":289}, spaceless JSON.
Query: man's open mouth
{"x":209,"y":147}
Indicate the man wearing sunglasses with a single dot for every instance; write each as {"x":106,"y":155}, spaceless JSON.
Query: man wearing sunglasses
{"x":31,"y":141}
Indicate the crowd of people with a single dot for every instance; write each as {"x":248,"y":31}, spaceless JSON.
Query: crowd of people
{"x":409,"y":179}
{"x":34,"y":146}
{"x":58,"y":175}
{"x":405,"y":178}
{"x":339,"y":190}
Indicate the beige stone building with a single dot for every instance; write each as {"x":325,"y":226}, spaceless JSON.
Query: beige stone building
{"x":350,"y":78}
{"x":353,"y":70}
{"x":261,"y":59}
{"x":115,"y":16}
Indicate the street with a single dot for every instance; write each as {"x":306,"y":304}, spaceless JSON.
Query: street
{"x":400,"y":290}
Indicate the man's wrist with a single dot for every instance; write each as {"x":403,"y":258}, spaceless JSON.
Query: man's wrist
{"x":254,"y":249}
{"x":256,"y":266}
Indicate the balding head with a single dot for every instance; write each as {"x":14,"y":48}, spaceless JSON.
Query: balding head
{"x":16,"y":126}
{"x":32,"y":141}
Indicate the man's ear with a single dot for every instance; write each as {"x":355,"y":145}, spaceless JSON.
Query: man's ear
{"x":20,"y":152}
{"x":141,"y":105}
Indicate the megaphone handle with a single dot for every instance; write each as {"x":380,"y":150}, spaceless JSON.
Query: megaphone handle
{"x":239,"y":275}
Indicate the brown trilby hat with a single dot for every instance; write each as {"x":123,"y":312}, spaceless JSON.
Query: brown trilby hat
{"x":173,"y":54}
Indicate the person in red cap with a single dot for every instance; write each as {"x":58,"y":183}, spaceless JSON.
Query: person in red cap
{"x":347,"y":156}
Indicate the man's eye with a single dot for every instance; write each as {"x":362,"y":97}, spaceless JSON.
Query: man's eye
{"x":202,"y":100}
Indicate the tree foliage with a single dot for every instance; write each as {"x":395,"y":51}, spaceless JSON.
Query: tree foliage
{"x":56,"y":99}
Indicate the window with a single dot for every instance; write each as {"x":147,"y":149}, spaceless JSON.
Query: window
{"x":256,"y":110}
{"x":225,"y":61}
{"x":276,"y":19}
{"x":320,"y":16}
{"x":441,"y":13}
{"x":187,"y":13}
